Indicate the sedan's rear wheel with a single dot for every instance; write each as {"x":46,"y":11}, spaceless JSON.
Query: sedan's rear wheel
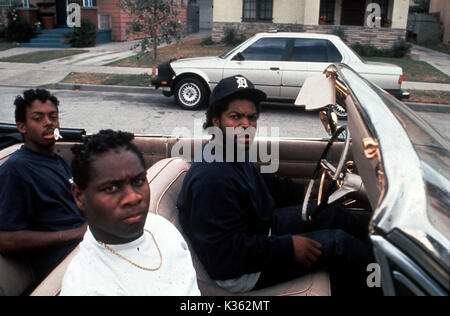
{"x":191,"y":94}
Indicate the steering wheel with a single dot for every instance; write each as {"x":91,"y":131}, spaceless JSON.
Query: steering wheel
{"x":325,"y":168}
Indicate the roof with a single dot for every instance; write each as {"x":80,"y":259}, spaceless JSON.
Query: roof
{"x":275,"y":33}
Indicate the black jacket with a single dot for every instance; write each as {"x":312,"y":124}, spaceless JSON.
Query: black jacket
{"x":226,"y":211}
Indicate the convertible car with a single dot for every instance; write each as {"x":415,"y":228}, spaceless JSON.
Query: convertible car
{"x":384,"y":162}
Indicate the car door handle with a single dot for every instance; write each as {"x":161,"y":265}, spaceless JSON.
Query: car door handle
{"x":274,"y":68}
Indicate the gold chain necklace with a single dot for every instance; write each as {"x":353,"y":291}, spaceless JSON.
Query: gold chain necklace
{"x":133,"y":263}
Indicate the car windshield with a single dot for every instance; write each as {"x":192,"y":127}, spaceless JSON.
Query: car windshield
{"x":356,"y":54}
{"x":434,"y":151}
{"x":231,"y":52}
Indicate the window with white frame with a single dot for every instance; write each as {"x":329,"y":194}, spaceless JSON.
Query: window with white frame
{"x":327,"y":8}
{"x":104,"y":21}
{"x":84,"y":3}
{"x":90,"y":3}
{"x":80,"y":2}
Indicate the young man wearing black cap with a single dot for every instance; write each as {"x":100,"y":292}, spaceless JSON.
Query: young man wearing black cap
{"x":239,"y":220}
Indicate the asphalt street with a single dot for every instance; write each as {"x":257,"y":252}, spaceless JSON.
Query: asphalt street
{"x":154,"y":114}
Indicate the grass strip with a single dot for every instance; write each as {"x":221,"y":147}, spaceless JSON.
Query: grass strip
{"x":41,"y":56}
{"x":142,"y":80}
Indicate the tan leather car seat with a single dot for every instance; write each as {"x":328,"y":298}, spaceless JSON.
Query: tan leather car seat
{"x":166,"y":179}
{"x":16,"y":276}
{"x":51,"y":286}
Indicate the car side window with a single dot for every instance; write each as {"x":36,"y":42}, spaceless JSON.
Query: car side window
{"x":334,"y":56}
{"x":272,"y":49}
{"x":309,"y":49}
{"x":314,"y":50}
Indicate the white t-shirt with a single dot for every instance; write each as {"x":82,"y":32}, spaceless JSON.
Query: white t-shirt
{"x":95,"y":271}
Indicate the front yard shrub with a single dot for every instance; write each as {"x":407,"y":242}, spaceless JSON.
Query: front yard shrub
{"x":2,"y":31}
{"x":208,"y":41}
{"x":86,"y":35}
{"x":366,"y":50}
{"x":18,"y":29}
{"x":231,"y":36}
{"x":338,"y":31}
{"x":400,"y":49}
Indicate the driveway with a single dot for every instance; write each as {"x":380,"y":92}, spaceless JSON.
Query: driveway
{"x":437,"y":59}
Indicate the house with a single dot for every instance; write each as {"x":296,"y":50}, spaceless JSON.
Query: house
{"x":441,"y":8}
{"x":319,"y":16}
{"x":105,"y":14}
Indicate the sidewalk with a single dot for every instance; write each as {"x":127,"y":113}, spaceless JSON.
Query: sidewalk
{"x":35,"y":75}
{"x":53,"y":71}
{"x":436,"y":59}
{"x":410,"y":85}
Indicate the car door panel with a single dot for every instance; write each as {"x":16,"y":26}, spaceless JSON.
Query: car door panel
{"x":266,"y":77}
{"x":262,"y":64}
{"x":293,"y":76}
{"x":307,"y":57}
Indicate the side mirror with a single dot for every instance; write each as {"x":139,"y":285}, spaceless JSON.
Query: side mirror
{"x":239,"y":57}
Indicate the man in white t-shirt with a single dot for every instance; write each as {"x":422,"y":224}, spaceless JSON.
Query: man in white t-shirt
{"x":126,"y":251}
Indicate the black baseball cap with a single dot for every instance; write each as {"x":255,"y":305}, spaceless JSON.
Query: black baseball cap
{"x":238,"y":86}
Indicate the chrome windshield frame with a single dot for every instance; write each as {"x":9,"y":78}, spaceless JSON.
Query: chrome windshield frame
{"x":403,"y":205}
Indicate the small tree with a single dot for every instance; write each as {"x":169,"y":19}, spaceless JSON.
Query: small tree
{"x":156,"y":20}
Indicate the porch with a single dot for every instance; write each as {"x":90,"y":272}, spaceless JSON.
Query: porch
{"x":45,"y":15}
{"x":350,"y":17}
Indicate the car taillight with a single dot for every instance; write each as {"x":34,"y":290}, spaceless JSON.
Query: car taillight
{"x":400,"y":80}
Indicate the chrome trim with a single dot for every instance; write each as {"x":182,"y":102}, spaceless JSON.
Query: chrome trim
{"x":386,"y":277}
{"x":338,"y":175}
{"x":385,"y":251}
{"x":404,"y":204}
{"x":408,"y":283}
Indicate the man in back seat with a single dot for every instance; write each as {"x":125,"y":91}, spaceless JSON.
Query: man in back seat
{"x":38,"y":216}
{"x":240,"y":222}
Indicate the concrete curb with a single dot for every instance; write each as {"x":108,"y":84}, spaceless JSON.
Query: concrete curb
{"x":429,"y":107}
{"x":421,"y":107}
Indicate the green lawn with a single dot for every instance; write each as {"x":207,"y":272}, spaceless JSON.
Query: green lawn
{"x":415,"y":70}
{"x":441,"y":47}
{"x":425,"y":96}
{"x":4,"y":45}
{"x":187,"y":49}
{"x":41,"y":56}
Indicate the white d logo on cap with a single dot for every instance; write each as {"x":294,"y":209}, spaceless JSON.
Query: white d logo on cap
{"x":242,"y":82}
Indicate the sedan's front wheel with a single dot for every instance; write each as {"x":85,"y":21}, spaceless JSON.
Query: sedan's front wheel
{"x":191,"y":94}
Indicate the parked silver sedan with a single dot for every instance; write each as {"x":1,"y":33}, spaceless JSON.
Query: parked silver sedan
{"x":277,"y":63}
